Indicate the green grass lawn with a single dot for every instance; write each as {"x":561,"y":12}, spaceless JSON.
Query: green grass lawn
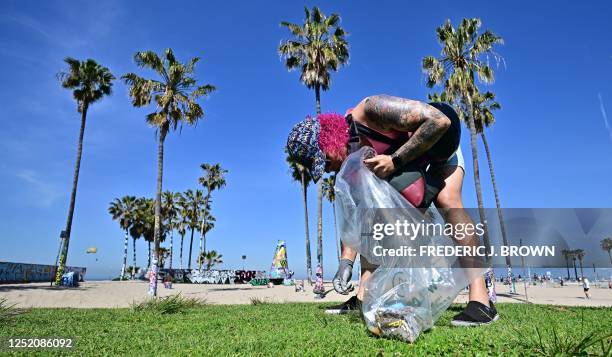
{"x":303,"y":329}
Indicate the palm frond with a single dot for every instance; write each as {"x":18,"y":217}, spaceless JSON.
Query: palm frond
{"x":318,"y":47}
{"x":202,"y":91}
{"x":89,"y":81}
{"x":296,"y":30}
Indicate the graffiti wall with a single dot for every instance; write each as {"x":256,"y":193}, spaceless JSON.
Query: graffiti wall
{"x":212,"y":276}
{"x":30,"y":273}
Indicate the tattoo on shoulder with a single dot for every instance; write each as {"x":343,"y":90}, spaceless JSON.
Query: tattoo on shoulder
{"x":391,"y":112}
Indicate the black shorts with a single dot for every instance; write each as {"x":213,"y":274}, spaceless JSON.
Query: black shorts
{"x":446,"y":146}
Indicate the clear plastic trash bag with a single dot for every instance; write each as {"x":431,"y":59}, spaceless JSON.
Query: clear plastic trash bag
{"x":405,"y":295}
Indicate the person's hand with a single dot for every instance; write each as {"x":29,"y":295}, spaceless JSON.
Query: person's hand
{"x":342,"y":280}
{"x":381,"y":165}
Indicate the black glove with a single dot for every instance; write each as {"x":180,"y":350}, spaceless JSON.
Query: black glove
{"x":342,"y":280}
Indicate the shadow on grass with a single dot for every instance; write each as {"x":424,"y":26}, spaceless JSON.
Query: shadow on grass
{"x":516,"y":297}
{"x":231,"y":289}
{"x":7,"y":288}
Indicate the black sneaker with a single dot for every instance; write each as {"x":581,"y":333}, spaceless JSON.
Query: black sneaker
{"x":351,"y":305}
{"x":476,"y":314}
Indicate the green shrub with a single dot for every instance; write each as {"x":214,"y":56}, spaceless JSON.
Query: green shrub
{"x":168,"y":305}
{"x":258,"y":301}
{"x":8,"y":311}
{"x":553,"y":342}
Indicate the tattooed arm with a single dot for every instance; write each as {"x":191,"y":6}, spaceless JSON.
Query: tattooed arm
{"x":427,"y":123}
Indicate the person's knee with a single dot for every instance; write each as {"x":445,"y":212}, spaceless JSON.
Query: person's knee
{"x":449,"y":199}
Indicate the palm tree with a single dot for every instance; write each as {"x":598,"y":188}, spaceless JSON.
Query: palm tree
{"x":139,"y":224}
{"x":176,"y":98}
{"x":163,"y":253}
{"x":210,"y":258}
{"x":134,"y":236}
{"x":123,"y":211}
{"x":567,"y":255}
{"x":318,"y":47}
{"x":144,"y":223}
{"x":606,"y":245}
{"x":301,"y":175}
{"x":483,"y":106}
{"x":456,"y":68}
{"x":170,"y":212}
{"x":194,"y":201}
{"x":330,"y":193}
{"x":89,"y":83}
{"x":580,"y":255}
{"x":207,"y":223}
{"x":182,"y":223}
{"x":574,"y":256}
{"x":213,"y":179}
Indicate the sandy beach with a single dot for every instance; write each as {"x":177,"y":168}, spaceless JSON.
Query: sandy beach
{"x":110,"y":294}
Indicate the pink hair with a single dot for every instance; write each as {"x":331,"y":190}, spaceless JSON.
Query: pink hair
{"x":334,"y":135}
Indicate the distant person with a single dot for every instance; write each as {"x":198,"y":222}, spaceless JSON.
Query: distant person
{"x":586,"y":286}
{"x":403,"y":132}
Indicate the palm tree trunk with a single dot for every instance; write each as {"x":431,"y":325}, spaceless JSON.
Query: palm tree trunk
{"x":319,"y":197}
{"x":204,"y":240}
{"x":567,"y":266}
{"x":157,"y":227}
{"x":201,"y":242}
{"x":481,"y":211}
{"x":202,"y":231}
{"x":75,"y":180}
{"x":125,"y":252}
{"x":610,"y":256}
{"x":190,"y":250}
{"x":575,"y":270}
{"x":134,"y":247}
{"x":338,"y":246}
{"x":318,"y":98}
{"x":474,"y":145}
{"x":320,"y":225}
{"x":502,"y":224}
{"x":149,"y":257}
{"x":581,"y":271}
{"x":181,"y":250}
{"x":171,"y":246}
{"x":203,"y":249}
{"x":305,"y":201}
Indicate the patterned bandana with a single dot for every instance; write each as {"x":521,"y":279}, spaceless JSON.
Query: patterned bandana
{"x":303,"y":146}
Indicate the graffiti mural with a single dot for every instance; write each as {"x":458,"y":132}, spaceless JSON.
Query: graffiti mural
{"x":244,"y":276}
{"x":211,"y":276}
{"x":30,"y":273}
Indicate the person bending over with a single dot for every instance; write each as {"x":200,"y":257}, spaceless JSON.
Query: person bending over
{"x":405,"y":134}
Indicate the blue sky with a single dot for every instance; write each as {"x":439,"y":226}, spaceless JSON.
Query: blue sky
{"x":551,"y":144}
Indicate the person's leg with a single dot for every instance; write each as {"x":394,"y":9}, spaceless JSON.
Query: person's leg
{"x":451,"y":207}
{"x":366,"y":271}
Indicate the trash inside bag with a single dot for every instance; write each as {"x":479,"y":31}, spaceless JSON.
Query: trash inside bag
{"x":397,"y":322}
{"x":406,"y":294}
